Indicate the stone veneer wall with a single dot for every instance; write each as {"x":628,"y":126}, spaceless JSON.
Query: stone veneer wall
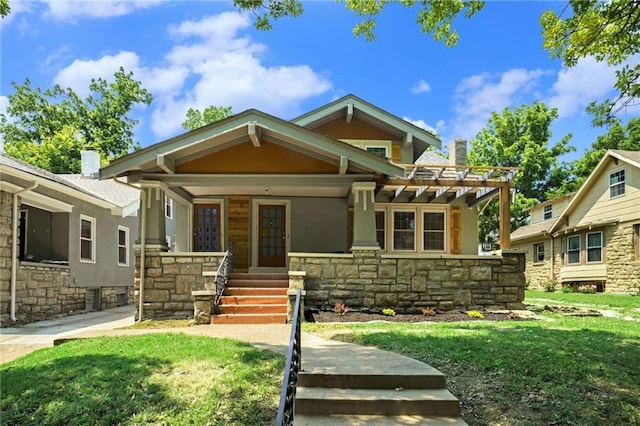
{"x":537,"y":274}
{"x":170,"y":277}
{"x":368,"y":280}
{"x":623,"y":266}
{"x":5,"y":253}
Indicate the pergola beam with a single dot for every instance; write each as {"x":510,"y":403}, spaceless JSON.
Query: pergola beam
{"x":444,"y":182}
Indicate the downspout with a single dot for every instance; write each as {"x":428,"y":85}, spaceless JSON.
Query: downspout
{"x":143,"y":245}
{"x":14,"y":247}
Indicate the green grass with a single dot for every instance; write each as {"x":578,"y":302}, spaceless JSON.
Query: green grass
{"x":168,"y":378}
{"x":563,"y":370}
{"x":622,"y":304}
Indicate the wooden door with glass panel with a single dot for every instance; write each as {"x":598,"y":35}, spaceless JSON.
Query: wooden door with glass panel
{"x":206,"y":227}
{"x":271,"y":236}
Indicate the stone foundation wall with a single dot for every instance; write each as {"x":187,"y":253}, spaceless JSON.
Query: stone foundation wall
{"x":5,"y":252}
{"x":170,"y":278}
{"x":368,"y":280}
{"x":43,"y":292}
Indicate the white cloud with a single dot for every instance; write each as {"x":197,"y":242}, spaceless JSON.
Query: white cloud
{"x":421,"y":124}
{"x":476,"y":97}
{"x":578,"y":86}
{"x":210,"y":65}
{"x":70,"y":11}
{"x":420,"y":87}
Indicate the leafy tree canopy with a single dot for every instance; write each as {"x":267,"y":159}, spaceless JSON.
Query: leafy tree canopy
{"x":605,"y":30}
{"x":435,"y":17}
{"x":196,"y":118}
{"x":619,"y":136}
{"x":4,"y":8}
{"x":520,"y":137}
{"x":49,"y":128}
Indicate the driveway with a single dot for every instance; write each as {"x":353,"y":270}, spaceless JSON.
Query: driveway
{"x":18,"y":341}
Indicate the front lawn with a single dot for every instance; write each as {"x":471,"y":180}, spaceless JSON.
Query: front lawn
{"x":169,"y":378}
{"x":555,"y":371}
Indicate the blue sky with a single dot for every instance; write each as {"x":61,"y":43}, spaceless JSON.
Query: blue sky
{"x":196,"y":54}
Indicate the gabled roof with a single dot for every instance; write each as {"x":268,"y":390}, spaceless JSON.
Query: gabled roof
{"x":630,"y":157}
{"x":106,"y":194}
{"x":251,"y":125}
{"x":350,"y":106}
{"x":533,"y":230}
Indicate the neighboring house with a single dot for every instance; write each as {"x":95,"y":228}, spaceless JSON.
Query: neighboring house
{"x":334,"y":195}
{"x":65,"y":241}
{"x":591,"y":239}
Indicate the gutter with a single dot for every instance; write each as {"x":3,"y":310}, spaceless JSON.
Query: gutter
{"x":143,"y":245}
{"x":14,"y":246}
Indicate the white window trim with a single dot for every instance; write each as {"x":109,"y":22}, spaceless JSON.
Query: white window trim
{"x":418,"y":237}
{"x":126,"y":245}
{"x":579,"y":250}
{"x":623,"y":183}
{"x":384,"y":230}
{"x":535,"y":253}
{"x":168,"y":202}
{"x":92,"y":220}
{"x":386,"y":149}
{"x":550,"y":211}
{"x":601,"y":247}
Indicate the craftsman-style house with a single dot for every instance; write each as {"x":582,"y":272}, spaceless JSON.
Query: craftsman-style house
{"x":309,"y":197}
{"x":66,"y":241}
{"x":588,"y":240}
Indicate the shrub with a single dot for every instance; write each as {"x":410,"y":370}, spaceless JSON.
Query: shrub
{"x":550,"y":286}
{"x":341,"y":309}
{"x":427,"y":311}
{"x":567,"y":289}
{"x":475,"y":314}
{"x":389,"y":312}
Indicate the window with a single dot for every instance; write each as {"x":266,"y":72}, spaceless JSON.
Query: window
{"x":168,"y":207}
{"x":538,"y":252}
{"x":548,"y":212}
{"x":404,"y":230}
{"x":380,"y":151}
{"x":616,"y":184}
{"x":594,"y":247}
{"x":573,"y":249}
{"x":87,"y":239}
{"x":380,"y":228}
{"x":123,"y":246}
{"x":433,"y":226}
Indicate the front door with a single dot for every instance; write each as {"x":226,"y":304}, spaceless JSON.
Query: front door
{"x":272,"y":236}
{"x":206,"y":227}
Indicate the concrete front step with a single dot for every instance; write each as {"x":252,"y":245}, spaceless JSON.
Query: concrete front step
{"x":344,"y":420}
{"x":254,"y":309}
{"x":249,"y":319}
{"x":422,"y":378}
{"x":387,"y":402}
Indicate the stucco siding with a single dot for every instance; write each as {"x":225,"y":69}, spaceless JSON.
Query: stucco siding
{"x":319,"y":225}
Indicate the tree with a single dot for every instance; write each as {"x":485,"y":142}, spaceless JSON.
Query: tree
{"x":435,"y":17}
{"x":49,"y":128}
{"x":520,"y":137}
{"x":196,"y":118}
{"x":625,"y":137}
{"x":4,"y":8}
{"x":605,"y":30}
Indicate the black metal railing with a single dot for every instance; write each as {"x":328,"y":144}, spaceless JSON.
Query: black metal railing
{"x":292,"y":368}
{"x":222,"y":274}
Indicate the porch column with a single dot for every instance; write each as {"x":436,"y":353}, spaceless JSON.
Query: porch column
{"x":183,"y":233}
{"x":505,"y":217}
{"x":364,"y":215}
{"x":154,"y":217}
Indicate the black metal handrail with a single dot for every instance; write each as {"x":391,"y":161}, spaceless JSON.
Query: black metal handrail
{"x":287,"y":405}
{"x":222,"y":274}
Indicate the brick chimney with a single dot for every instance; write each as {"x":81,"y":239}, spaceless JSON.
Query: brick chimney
{"x":458,"y":152}
{"x":90,"y":163}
